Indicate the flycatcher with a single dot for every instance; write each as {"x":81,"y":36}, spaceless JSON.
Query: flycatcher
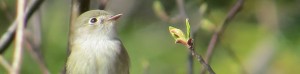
{"x":95,"y":47}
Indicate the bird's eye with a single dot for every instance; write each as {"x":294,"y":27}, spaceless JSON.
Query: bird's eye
{"x":93,"y":20}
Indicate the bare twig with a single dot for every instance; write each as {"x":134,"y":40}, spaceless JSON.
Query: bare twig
{"x":7,"y":37}
{"x":214,"y":40}
{"x":199,"y":57}
{"x":17,"y":60}
{"x":190,"y":63}
{"x":33,"y":42}
{"x":182,"y":15}
{"x":36,"y":56}
{"x":220,"y":31}
{"x":5,"y":64}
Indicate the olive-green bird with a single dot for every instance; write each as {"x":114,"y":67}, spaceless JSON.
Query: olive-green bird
{"x":95,"y":47}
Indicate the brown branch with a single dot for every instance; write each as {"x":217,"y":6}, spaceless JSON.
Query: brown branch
{"x":199,"y":57}
{"x":190,"y":63}
{"x":214,"y":40}
{"x":33,"y":42}
{"x":7,"y":37}
{"x":36,"y":56}
{"x":183,"y":16}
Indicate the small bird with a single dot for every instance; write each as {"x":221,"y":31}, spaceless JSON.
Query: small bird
{"x":95,"y":47}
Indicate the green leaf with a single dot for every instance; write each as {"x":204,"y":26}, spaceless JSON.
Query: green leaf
{"x":188,"y":28}
{"x":177,"y":34}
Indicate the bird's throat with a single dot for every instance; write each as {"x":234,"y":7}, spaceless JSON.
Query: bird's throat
{"x":94,"y":56}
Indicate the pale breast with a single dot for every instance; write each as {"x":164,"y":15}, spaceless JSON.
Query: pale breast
{"x":100,"y":56}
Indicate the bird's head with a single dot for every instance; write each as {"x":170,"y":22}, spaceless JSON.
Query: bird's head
{"x":96,"y":23}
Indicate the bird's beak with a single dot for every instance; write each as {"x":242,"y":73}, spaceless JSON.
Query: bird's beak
{"x":115,"y":17}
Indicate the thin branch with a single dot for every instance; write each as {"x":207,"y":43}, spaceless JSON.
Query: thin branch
{"x":17,"y":60}
{"x":183,"y":16}
{"x":237,"y":7}
{"x":190,"y":63}
{"x":199,"y":57}
{"x":5,"y":64}
{"x":33,"y":42}
{"x":7,"y":37}
{"x":36,"y":56}
{"x":214,"y":40}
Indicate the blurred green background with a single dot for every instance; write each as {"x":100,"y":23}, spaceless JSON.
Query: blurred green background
{"x":262,"y":39}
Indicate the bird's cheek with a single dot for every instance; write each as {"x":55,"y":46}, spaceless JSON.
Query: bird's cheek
{"x":101,"y":21}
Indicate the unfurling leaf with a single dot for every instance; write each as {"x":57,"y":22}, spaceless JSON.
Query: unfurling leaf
{"x":178,"y":35}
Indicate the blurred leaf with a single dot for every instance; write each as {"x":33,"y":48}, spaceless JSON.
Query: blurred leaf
{"x":159,"y":10}
{"x":207,"y":25}
{"x":203,"y":8}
